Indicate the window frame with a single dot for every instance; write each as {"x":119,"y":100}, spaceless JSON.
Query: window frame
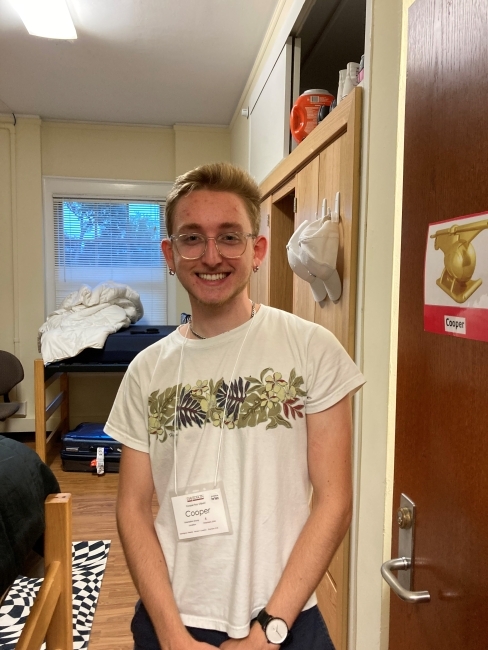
{"x":93,"y":188}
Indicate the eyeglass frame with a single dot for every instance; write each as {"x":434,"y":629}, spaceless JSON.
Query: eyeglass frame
{"x":247,"y":235}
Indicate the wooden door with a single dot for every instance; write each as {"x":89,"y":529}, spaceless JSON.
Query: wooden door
{"x":442,"y":392}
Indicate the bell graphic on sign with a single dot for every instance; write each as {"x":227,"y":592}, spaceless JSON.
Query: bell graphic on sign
{"x":459,"y":259}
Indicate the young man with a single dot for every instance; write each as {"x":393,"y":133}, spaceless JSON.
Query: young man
{"x":231,"y":419}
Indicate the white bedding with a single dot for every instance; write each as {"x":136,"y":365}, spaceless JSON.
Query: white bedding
{"x":85,"y":319}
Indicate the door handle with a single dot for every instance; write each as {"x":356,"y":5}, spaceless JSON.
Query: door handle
{"x":402,"y":564}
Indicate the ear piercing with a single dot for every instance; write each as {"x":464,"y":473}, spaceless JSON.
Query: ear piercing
{"x":171,"y":272}
{"x":255,"y":269}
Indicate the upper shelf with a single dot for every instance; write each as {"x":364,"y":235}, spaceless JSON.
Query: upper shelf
{"x":329,"y":129}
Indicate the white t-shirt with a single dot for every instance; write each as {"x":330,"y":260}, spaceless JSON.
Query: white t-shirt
{"x":288,"y":367}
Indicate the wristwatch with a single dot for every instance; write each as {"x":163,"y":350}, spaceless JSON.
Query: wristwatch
{"x":275,"y":629}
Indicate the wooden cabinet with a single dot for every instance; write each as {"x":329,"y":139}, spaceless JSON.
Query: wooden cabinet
{"x":325,"y":163}
{"x":307,"y":206}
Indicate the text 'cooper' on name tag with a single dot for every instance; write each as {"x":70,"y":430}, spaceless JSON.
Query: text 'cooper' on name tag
{"x":201,"y":513}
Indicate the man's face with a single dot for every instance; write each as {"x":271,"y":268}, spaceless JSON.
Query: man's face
{"x":213,"y":279}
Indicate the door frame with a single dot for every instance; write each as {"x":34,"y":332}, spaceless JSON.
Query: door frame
{"x":377,"y":318}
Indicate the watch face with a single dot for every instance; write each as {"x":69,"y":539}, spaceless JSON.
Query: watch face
{"x":276,"y":630}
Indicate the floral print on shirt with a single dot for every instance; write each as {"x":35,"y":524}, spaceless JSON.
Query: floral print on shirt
{"x":247,"y":402}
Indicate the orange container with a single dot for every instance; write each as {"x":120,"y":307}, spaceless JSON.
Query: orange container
{"x":304,"y":114}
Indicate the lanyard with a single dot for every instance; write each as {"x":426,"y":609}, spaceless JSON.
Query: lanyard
{"x":204,"y":426}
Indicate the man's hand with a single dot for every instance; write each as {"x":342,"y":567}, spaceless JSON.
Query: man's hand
{"x":247,"y":644}
{"x":256,"y":640}
{"x":192,"y":644}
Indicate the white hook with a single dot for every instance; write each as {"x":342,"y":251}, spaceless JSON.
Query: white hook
{"x":335,"y":214}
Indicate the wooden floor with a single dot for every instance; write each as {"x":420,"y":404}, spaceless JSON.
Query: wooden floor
{"x":94,"y":518}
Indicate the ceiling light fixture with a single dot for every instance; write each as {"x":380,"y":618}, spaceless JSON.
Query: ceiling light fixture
{"x":46,"y":18}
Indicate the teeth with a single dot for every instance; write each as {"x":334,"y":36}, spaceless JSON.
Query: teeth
{"x":212,"y":276}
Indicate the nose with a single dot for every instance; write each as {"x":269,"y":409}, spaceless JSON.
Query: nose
{"x":212,"y":257}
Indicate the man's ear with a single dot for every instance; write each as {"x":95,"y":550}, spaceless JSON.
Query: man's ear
{"x":260,"y":250}
{"x":167,"y":248}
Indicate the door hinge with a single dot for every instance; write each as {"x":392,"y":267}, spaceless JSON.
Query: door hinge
{"x":295,"y":204}
{"x":267,"y":216}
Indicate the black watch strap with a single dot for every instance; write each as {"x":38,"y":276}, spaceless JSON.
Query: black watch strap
{"x":263,"y":618}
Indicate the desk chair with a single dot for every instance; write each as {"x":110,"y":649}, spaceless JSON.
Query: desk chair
{"x":11,"y":374}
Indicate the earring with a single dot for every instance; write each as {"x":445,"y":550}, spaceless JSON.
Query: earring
{"x":171,"y":272}
{"x":255,"y":269}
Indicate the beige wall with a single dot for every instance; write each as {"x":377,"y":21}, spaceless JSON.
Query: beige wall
{"x":196,"y":145}
{"x":84,"y":150}
{"x":240,"y":142}
{"x":34,"y":148}
{"x":21,"y":243}
{"x":7,"y":208}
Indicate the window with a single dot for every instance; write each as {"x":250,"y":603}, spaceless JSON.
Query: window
{"x":101,"y":237}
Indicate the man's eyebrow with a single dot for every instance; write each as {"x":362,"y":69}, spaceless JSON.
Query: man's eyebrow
{"x":195,"y":227}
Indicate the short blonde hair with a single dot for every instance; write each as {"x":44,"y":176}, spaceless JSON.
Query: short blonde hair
{"x":216,"y":177}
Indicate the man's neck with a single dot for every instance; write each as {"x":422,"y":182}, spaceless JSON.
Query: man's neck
{"x":211,"y":320}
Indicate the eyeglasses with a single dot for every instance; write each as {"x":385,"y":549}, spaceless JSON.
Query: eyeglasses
{"x":231,"y":245}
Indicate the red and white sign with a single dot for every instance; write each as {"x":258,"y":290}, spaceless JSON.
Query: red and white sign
{"x":456,"y":277}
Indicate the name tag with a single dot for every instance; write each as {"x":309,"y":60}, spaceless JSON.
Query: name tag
{"x":201,"y":511}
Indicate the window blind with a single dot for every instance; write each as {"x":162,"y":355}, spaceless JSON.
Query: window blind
{"x":97,"y":240}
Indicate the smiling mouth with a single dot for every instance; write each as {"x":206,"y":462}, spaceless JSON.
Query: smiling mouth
{"x":212,"y":276}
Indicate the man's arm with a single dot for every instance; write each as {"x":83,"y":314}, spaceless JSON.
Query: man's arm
{"x":329,"y":466}
{"x":143,"y":551}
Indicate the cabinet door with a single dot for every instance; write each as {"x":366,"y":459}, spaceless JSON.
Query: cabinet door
{"x":307,"y":196}
{"x":339,"y":173}
{"x":327,"y":162}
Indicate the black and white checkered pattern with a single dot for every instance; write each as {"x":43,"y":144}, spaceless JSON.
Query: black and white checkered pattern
{"x":89,"y":561}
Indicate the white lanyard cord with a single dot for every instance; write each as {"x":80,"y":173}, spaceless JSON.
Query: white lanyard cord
{"x":225,"y":404}
{"x":178,"y":393}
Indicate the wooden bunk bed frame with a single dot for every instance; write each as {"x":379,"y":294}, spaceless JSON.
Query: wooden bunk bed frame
{"x":51,"y":617}
{"x":43,"y":412}
{"x":44,"y":376}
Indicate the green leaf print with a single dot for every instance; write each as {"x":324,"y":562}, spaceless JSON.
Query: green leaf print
{"x":248,"y":401}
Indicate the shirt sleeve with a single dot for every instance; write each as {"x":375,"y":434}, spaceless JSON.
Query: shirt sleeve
{"x":128,"y":419}
{"x":331,"y":373}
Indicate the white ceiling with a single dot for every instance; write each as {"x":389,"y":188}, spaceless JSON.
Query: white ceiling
{"x":135,"y":61}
